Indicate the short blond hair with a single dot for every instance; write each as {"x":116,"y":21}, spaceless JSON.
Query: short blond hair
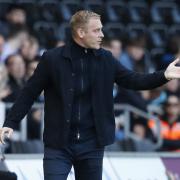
{"x":80,"y":19}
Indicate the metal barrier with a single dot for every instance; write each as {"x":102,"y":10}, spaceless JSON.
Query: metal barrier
{"x":128,"y":134}
{"x":126,"y":108}
{"x":23,"y":124}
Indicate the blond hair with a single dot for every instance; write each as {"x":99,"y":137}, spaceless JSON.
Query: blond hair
{"x":80,"y":19}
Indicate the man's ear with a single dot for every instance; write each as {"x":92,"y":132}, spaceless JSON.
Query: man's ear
{"x":80,"y":32}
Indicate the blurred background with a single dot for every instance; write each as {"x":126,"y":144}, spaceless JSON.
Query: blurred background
{"x":143,"y":35}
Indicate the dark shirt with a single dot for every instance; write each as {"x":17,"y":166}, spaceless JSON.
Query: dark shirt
{"x":82,"y":125}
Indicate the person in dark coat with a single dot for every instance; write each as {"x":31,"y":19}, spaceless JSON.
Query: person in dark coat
{"x":78,"y":80}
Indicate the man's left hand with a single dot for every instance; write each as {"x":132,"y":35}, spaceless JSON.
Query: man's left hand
{"x":173,"y":71}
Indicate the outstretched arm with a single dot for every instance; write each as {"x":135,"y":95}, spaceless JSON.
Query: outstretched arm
{"x":140,"y":81}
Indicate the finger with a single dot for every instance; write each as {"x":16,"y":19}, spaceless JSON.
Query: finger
{"x":176,"y":61}
{"x":2,"y":137}
{"x":10,"y":133}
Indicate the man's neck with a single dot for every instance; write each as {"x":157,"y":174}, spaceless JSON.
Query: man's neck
{"x":79,"y":42}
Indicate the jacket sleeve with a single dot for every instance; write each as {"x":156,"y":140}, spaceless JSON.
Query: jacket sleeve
{"x":137,"y":81}
{"x":29,"y":94}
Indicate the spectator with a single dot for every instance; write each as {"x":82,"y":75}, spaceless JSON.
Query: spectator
{"x":15,"y":40}
{"x":170,"y":124}
{"x":116,"y":47}
{"x":173,"y":88}
{"x":29,"y":49}
{"x":16,"y":70}
{"x":14,"y":16}
{"x":134,"y":57}
{"x":158,"y":96}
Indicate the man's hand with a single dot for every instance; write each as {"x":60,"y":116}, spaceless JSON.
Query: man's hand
{"x":5,"y":131}
{"x":173,"y":71}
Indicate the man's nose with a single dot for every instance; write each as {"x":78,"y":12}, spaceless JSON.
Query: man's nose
{"x":102,"y":34}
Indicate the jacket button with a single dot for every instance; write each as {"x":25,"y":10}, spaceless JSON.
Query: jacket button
{"x":69,"y":105}
{"x":68,"y":121}
{"x":73,"y":74}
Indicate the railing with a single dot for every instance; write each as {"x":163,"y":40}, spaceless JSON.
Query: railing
{"x":131,"y":109}
{"x":23,"y":124}
{"x":127,"y":109}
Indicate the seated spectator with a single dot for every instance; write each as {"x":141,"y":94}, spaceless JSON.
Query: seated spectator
{"x":16,"y":70}
{"x":15,"y":16}
{"x":173,"y":87}
{"x":134,"y":56}
{"x":16,"y":38}
{"x":170,"y":124}
{"x":29,"y":49}
{"x":116,"y":48}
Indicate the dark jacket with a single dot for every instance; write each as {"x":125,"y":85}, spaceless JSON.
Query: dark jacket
{"x":55,"y":75}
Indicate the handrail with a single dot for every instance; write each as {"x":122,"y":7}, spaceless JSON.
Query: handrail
{"x":125,"y":107}
{"x":129,"y":108}
{"x":23,"y":124}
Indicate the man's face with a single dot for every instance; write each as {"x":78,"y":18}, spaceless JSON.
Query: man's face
{"x":172,"y":107}
{"x":92,"y":36}
{"x":116,"y":48}
{"x":17,"y":16}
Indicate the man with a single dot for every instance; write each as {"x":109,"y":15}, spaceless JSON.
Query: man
{"x":77,"y":80}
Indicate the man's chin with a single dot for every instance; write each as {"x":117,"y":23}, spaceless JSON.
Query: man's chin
{"x":97,"y":47}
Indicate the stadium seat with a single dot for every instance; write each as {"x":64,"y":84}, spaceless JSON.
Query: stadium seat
{"x":114,"y":30}
{"x":97,"y":6}
{"x":139,"y":12}
{"x":136,"y":29}
{"x":165,"y":12}
{"x":68,"y":8}
{"x":63,"y":31}
{"x":48,"y":10}
{"x":4,"y":4}
{"x":116,"y":12}
{"x":158,"y":35}
{"x":174,"y":29}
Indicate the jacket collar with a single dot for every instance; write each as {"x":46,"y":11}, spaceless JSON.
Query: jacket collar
{"x":66,"y":51}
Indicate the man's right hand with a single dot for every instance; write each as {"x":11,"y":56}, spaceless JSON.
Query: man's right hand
{"x":5,"y":131}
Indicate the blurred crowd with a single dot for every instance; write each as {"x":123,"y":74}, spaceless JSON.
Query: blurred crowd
{"x":20,"y":51}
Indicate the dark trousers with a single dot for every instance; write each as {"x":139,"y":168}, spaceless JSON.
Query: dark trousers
{"x":86,"y":158}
